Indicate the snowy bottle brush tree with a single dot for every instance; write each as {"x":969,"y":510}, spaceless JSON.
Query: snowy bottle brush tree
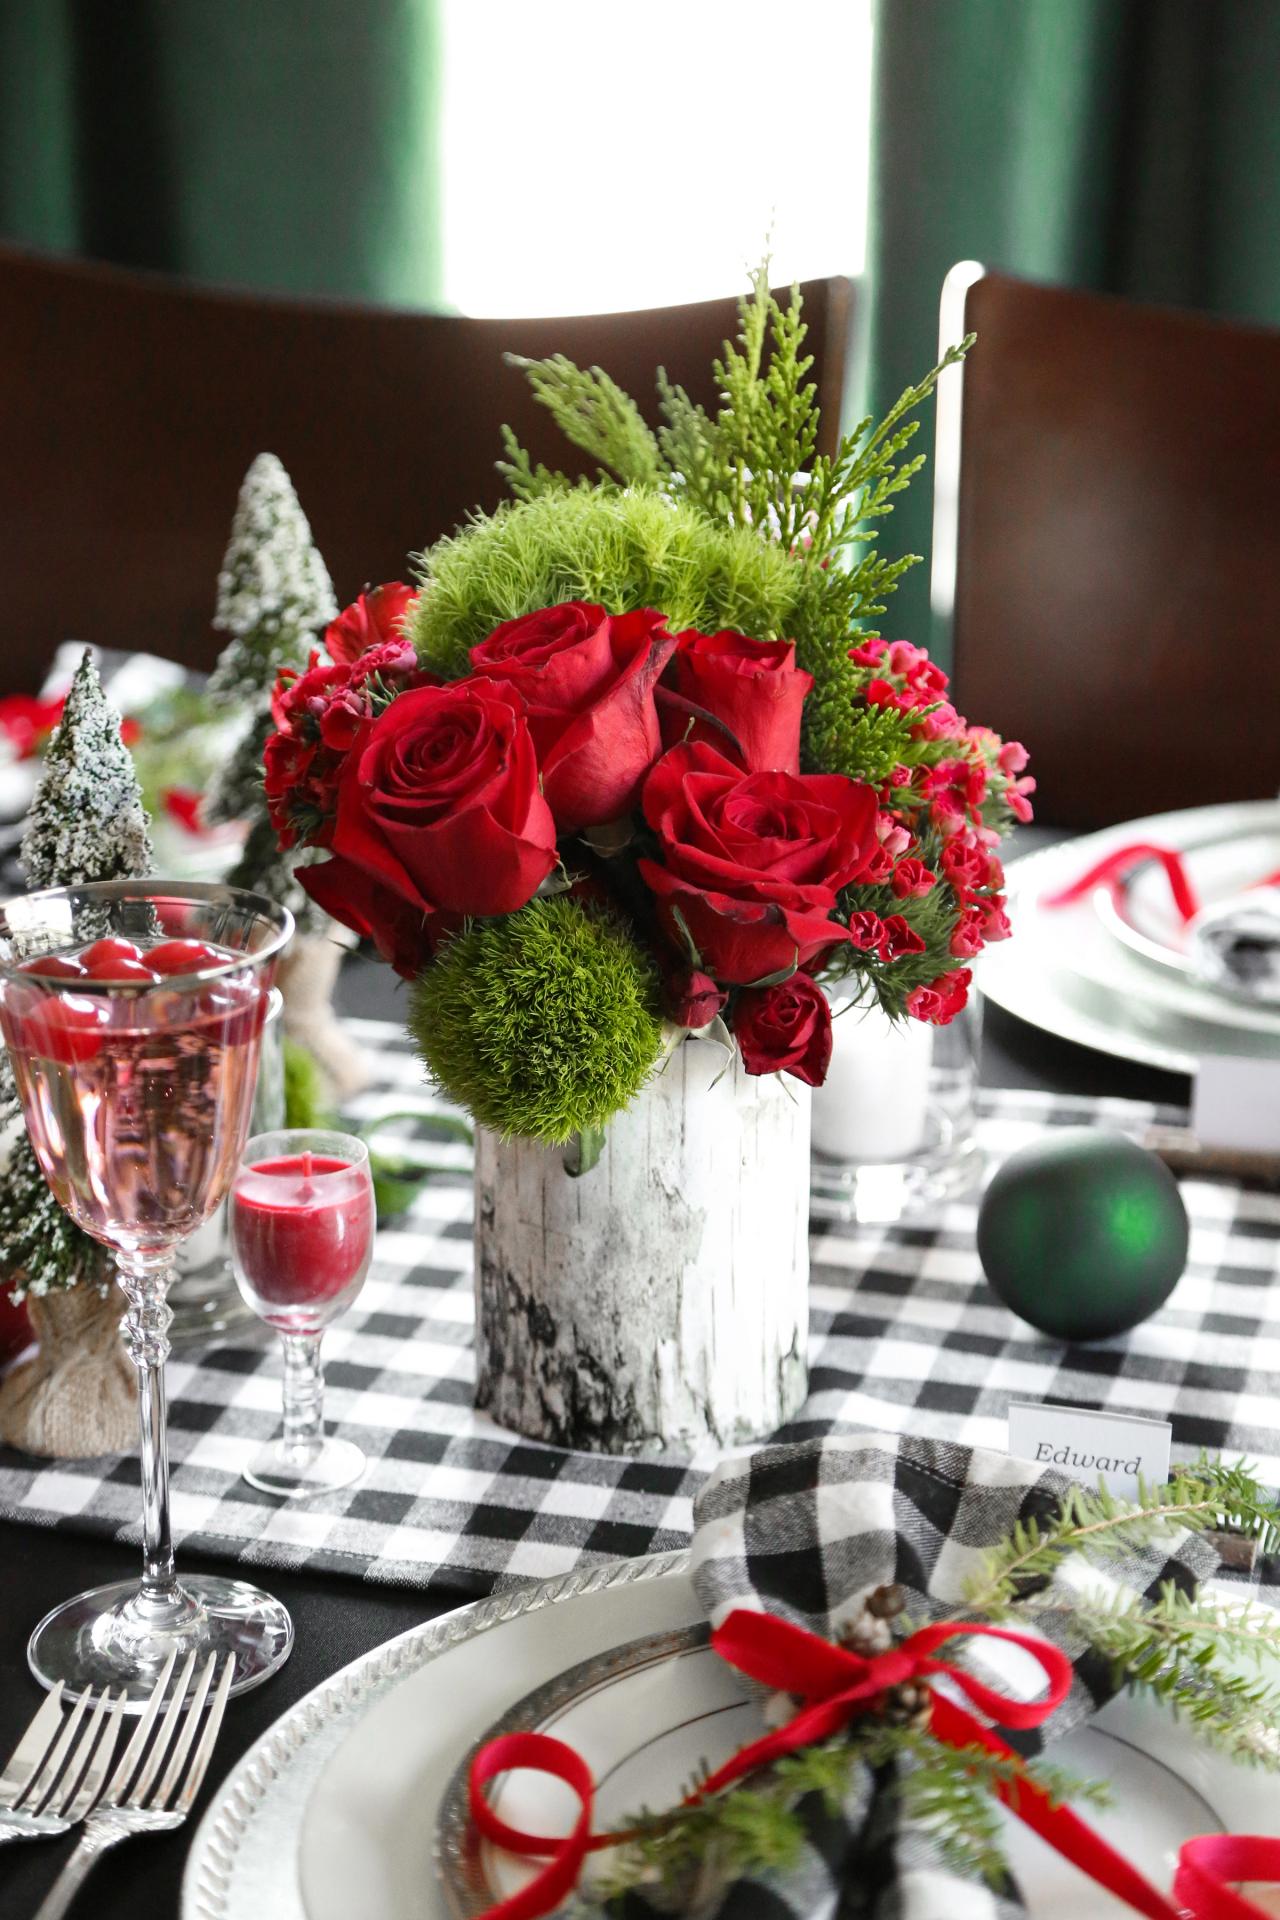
{"x":274,"y":594}
{"x":87,"y":823}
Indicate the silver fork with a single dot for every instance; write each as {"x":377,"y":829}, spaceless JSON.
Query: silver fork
{"x":133,"y":1801}
{"x":57,"y":1765}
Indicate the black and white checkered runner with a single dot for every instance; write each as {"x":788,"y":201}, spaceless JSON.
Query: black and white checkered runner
{"x":906,"y":1338}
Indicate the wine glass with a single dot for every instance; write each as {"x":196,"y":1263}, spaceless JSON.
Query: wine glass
{"x":133,"y":1013}
{"x":302,"y":1221}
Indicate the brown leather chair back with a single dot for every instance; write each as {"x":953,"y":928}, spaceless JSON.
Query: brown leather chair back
{"x":1117,"y":587}
{"x":130,"y":407}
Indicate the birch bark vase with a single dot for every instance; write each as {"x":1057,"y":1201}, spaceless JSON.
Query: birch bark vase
{"x":661,"y":1298}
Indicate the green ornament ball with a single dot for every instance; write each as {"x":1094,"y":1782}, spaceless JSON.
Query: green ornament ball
{"x":1082,"y":1233}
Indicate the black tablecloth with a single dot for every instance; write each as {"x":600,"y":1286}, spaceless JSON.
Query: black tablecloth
{"x":336,"y":1619}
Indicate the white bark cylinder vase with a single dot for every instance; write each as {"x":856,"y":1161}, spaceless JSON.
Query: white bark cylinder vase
{"x":661,"y":1298}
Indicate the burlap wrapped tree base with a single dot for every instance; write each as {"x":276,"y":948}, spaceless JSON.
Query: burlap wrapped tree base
{"x":78,"y":1397}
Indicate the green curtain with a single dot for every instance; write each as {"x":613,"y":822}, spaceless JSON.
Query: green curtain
{"x":279,"y":144}
{"x":1132,"y":146}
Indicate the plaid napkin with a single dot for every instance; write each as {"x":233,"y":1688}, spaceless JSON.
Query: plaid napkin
{"x":807,"y":1531}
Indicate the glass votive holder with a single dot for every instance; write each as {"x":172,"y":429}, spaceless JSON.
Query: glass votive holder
{"x":895,"y":1122}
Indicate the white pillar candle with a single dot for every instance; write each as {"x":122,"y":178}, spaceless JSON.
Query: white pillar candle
{"x":874,"y":1104}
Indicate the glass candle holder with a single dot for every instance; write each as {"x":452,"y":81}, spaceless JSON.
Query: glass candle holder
{"x":894,"y":1124}
{"x":302,"y":1223}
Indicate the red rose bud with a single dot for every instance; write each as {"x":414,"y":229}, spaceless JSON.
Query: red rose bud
{"x":911,"y":879}
{"x":939,"y":1003}
{"x":753,"y":687}
{"x":866,"y":930}
{"x":752,"y":862}
{"x":369,"y":621}
{"x":586,"y":679}
{"x":439,"y":804}
{"x":694,"y":999}
{"x":785,"y":1029}
{"x":967,"y":940}
{"x":965,"y":866}
{"x":897,"y":938}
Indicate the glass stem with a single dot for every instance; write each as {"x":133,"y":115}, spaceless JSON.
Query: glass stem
{"x":303,"y":1390}
{"x":145,"y":1278}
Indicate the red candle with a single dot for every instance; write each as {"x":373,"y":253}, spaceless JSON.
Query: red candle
{"x":301,"y":1234}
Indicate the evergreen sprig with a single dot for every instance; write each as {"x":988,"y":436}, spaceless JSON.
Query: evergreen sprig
{"x":1208,"y":1495}
{"x":752,"y":465}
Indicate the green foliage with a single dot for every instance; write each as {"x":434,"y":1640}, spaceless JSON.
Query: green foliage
{"x":761,"y":1826}
{"x":1209,"y":1495}
{"x":543,"y":1023}
{"x":1170,"y":1649}
{"x":594,"y":413}
{"x":752,"y":466}
{"x":41,"y":1248}
{"x":305,"y":1101}
{"x":622,"y":550}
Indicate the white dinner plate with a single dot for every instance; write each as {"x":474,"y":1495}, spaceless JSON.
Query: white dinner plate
{"x":337,"y":1811}
{"x":1064,"y":970}
{"x":1142,"y":914}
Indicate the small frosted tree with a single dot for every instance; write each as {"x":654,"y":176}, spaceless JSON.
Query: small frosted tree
{"x":87,"y":819}
{"x":87,"y":823}
{"x":274,"y":595}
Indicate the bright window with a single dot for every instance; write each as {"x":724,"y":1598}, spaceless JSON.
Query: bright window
{"x":608,"y":154}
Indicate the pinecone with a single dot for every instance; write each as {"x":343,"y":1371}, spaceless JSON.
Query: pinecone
{"x":907,"y":1705}
{"x":870,"y":1631}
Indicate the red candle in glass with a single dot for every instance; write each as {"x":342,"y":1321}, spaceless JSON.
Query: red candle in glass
{"x":301,"y":1235}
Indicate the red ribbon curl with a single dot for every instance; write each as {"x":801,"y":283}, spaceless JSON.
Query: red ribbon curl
{"x":834,"y":1686}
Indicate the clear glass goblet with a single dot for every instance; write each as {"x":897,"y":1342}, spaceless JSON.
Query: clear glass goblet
{"x":302,"y":1222}
{"x":133,"y":1014}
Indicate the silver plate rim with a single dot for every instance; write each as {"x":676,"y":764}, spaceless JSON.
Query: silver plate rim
{"x":319,"y":1721}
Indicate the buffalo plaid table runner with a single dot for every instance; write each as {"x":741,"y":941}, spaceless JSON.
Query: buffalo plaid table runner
{"x":906,"y":1338}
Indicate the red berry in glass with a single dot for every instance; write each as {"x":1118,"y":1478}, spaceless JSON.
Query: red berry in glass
{"x":136,"y":1102}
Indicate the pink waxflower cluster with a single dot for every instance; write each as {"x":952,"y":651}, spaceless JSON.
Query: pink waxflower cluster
{"x":960,"y":801}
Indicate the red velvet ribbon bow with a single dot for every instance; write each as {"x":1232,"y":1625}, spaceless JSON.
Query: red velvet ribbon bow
{"x":834,"y":1685}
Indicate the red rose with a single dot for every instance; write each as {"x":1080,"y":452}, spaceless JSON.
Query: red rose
{"x":370,"y":620}
{"x":693,"y":998}
{"x":403,"y":934}
{"x":586,"y":678}
{"x":753,"y":686}
{"x":752,"y":862}
{"x":438,"y":802}
{"x":785,"y":1029}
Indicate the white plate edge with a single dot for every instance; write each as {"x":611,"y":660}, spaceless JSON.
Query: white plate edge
{"x":207,"y":1877}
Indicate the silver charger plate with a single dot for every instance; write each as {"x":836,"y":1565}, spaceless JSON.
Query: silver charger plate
{"x":1065,"y":971}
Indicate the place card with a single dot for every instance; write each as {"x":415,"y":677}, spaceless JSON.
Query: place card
{"x":1235,"y":1102}
{"x":1116,"y":1447}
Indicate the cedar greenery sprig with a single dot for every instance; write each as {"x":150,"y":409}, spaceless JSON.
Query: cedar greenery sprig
{"x":752,"y":465}
{"x":1205,"y":1496}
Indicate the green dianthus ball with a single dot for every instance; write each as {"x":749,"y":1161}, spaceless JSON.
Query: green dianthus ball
{"x":543,"y":1023}
{"x":618,"y":550}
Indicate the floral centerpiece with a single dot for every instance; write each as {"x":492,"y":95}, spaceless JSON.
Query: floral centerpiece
{"x":628,"y":769}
